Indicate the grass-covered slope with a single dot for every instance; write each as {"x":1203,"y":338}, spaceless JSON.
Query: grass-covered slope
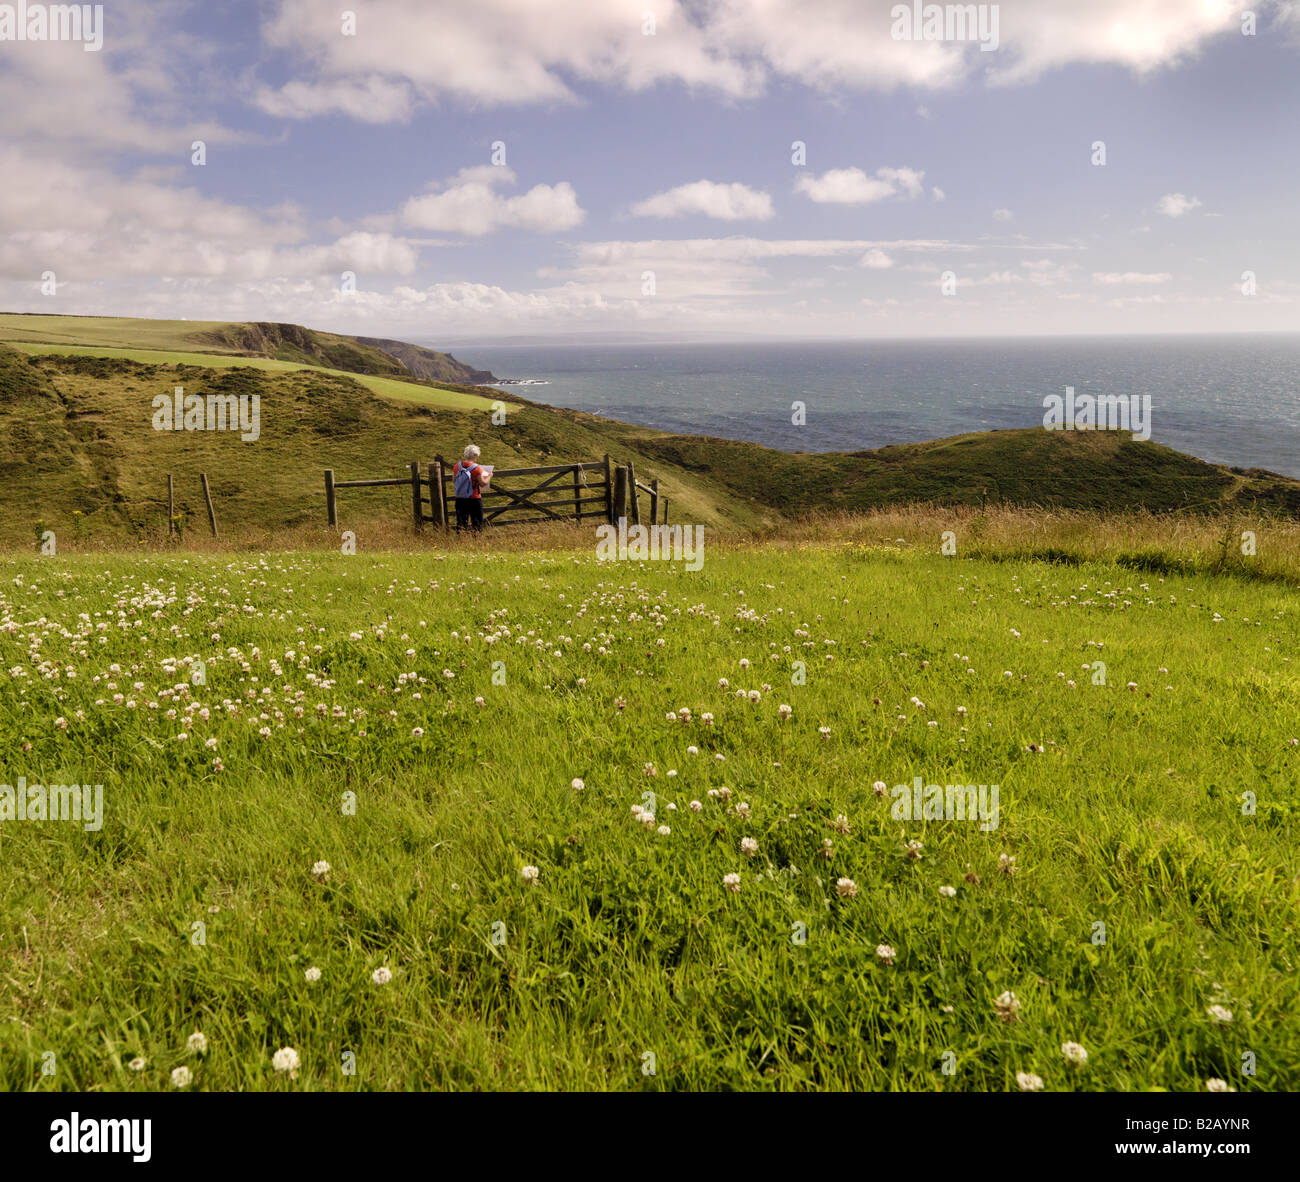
{"x":78,"y":452}
{"x":1098,"y":470}
{"x":347,"y":711}
{"x":82,"y":457}
{"x":279,"y":342}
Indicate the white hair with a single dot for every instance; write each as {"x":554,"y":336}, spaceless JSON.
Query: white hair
{"x":471,"y":453}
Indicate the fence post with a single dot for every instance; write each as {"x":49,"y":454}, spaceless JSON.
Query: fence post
{"x":654,"y":500}
{"x":171,"y":506}
{"x":436,"y":510}
{"x":619,"y":509}
{"x":331,"y":508}
{"x":207,"y":496}
{"x":635,"y":501}
{"x":442,"y":490}
{"x":415,"y":497}
{"x":665,"y":510}
{"x":609,"y":492}
{"x":577,"y":494}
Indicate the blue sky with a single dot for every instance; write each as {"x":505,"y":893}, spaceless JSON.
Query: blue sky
{"x":648,"y":182}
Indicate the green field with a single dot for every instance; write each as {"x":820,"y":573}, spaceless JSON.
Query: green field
{"x":122,"y":332}
{"x":405,"y":391}
{"x":1149,"y":913}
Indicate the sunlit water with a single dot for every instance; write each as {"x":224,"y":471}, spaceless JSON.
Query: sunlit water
{"x":1230,"y":399}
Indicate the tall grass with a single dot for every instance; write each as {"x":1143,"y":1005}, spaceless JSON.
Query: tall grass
{"x":1138,"y":895}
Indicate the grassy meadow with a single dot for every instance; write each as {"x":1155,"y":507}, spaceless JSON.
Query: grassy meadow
{"x":436,"y":725}
{"x":420,"y":393}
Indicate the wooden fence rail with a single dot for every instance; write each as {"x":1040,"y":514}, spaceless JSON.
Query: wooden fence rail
{"x":578,"y":491}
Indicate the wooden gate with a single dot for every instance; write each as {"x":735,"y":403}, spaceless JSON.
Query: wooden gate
{"x":578,"y":491}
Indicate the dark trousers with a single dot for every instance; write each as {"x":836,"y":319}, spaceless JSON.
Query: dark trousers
{"x":469,"y":512}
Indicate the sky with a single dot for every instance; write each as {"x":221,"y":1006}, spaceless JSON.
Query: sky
{"x":437,"y":170}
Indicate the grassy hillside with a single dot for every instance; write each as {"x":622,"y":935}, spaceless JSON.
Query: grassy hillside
{"x":401,"y":388}
{"x":346,"y":712}
{"x":279,"y":342}
{"x":1101,"y":470}
{"x":79,"y":454}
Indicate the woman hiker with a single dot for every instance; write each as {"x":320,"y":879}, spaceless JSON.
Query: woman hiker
{"x":470,"y":480}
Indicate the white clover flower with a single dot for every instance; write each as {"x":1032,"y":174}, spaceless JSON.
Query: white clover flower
{"x":136,"y":1064}
{"x":417,"y":732}
{"x":530,"y":874}
{"x":1006,"y":1005}
{"x":286,"y":1059}
{"x":1219,"y":1014}
{"x":884,"y":952}
{"x":880,"y":787}
{"x":846,"y":888}
{"x":748,"y":846}
{"x":1074,"y":1053}
{"x":948,"y":892}
{"x":182,"y":1077}
{"x":197,"y":1043}
{"x":731,"y":882}
{"x":382,"y":975}
{"x":723,"y":683}
{"x":914,"y":849}
{"x":744,"y":662}
{"x":663,"y":831}
{"x":755,"y":696}
{"x":647,"y":819}
{"x":824,"y":731}
{"x":707,"y":719}
{"x":692,"y":751}
{"x":312,"y":974}
{"x":1218,"y":1085}
{"x":577,"y":785}
{"x":1029,"y":1082}
{"x":696,"y":806}
{"x":320,"y":871}
{"x":720,"y":757}
{"x":784,"y":711}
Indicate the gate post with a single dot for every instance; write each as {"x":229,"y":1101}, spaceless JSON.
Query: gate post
{"x":415,"y":497}
{"x":619,"y":509}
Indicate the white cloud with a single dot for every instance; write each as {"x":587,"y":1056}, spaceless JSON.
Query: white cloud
{"x":470,"y":205}
{"x":368,"y":100}
{"x":727,"y":202}
{"x":852,"y":186}
{"x":1002,"y":215}
{"x":1114,"y":278}
{"x":503,"y":52}
{"x":85,"y":224}
{"x":1174,"y":205}
{"x":876,"y":260}
{"x":497,"y":52}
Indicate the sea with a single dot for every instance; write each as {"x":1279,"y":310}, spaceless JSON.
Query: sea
{"x":1230,"y":399}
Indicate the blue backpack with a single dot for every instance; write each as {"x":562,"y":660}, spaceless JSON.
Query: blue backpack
{"x":465,"y":478}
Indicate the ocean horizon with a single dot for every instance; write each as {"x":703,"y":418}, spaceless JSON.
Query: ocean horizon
{"x":1231,"y":399}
